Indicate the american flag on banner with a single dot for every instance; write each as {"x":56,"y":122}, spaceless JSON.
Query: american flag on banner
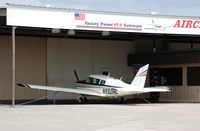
{"x":79,"y":16}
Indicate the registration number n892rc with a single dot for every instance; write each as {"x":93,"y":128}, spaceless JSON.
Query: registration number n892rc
{"x":110,"y":91}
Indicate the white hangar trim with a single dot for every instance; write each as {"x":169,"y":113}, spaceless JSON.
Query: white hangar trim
{"x":31,"y":16}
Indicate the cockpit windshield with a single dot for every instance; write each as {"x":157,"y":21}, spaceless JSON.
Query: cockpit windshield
{"x":91,"y":80}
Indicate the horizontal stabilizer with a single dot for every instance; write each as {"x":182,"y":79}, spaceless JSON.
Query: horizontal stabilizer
{"x":157,"y":89}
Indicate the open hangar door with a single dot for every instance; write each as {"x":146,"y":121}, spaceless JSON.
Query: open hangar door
{"x":44,"y":58}
{"x":148,"y":38}
{"x":174,"y":62}
{"x":86,"y":56}
{"x":30,"y":66}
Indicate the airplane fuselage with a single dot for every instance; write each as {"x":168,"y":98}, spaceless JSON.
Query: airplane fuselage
{"x":120,"y":88}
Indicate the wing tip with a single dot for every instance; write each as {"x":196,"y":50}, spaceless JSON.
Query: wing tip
{"x":23,"y":85}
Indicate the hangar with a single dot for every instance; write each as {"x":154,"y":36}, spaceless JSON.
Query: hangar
{"x":43,"y":45}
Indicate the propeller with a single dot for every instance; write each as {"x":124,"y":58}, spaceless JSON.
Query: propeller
{"x":75,"y":73}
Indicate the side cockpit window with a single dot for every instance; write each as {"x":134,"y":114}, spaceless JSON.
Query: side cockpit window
{"x":95,"y":81}
{"x":102,"y":82}
{"x":89,"y":80}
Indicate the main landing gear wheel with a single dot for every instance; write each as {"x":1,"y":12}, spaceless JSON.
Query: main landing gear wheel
{"x":82,"y":99}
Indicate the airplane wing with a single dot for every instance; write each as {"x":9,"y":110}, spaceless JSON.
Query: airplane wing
{"x":157,"y":89}
{"x":61,"y":89}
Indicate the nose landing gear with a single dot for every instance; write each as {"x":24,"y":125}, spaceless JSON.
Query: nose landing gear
{"x":122,"y":100}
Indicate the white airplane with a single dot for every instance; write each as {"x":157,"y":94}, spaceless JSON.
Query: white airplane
{"x":158,"y":27}
{"x":105,"y":86}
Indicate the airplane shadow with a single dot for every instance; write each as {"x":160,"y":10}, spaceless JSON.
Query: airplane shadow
{"x":75,"y":102}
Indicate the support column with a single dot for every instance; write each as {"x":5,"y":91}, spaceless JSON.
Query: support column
{"x":13,"y":66}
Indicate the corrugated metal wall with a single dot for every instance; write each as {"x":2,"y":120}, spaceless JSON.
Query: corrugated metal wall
{"x":182,"y":93}
{"x":30,"y":66}
{"x":179,"y":54}
{"x":87,"y":57}
{"x":165,"y":58}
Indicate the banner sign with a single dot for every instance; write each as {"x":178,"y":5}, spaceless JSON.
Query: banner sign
{"x":138,"y":24}
{"x":63,"y":19}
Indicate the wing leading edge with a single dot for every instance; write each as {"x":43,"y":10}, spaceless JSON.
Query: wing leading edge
{"x":84,"y":91}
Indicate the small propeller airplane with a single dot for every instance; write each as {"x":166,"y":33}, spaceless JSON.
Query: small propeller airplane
{"x":158,"y":27}
{"x":105,"y":86}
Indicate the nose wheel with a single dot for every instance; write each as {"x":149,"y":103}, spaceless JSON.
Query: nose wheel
{"x":122,"y":100}
{"x":82,"y":100}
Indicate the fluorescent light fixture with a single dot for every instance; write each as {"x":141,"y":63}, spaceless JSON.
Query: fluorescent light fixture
{"x":55,"y":31}
{"x":105,"y":33}
{"x":71,"y":32}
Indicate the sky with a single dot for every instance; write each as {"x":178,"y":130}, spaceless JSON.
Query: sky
{"x":163,"y":7}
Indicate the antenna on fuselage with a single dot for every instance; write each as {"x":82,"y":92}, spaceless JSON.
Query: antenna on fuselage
{"x":75,"y":73}
{"x":120,"y":78}
{"x":108,"y":75}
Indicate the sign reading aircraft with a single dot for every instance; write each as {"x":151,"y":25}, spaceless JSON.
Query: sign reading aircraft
{"x":105,"y":86}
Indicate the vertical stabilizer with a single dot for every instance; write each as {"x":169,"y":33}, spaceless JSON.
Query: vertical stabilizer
{"x":140,"y":78}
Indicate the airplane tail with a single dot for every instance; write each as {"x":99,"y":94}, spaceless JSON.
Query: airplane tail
{"x":140,"y":78}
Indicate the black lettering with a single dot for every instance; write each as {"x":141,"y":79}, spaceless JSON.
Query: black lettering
{"x":110,"y":91}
